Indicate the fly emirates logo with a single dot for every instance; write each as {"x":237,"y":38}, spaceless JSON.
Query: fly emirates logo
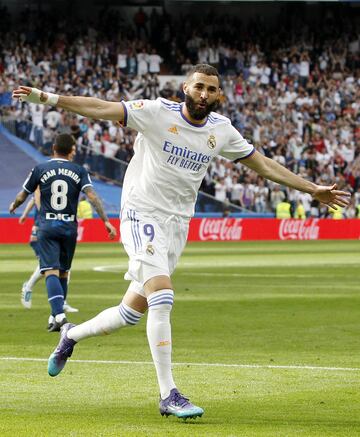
{"x":185,"y":158}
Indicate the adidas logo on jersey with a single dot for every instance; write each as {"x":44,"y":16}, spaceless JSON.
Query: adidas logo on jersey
{"x":173,"y":130}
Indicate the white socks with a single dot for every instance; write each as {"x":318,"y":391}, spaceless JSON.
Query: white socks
{"x":34,"y":278}
{"x":158,"y":330}
{"x":106,"y":322}
{"x":60,"y":317}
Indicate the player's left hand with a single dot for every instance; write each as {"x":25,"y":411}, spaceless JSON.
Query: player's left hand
{"x":111,"y":230}
{"x":331,"y":196}
{"x":12,"y":208}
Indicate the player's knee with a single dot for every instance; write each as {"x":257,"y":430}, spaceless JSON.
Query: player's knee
{"x":130,"y":315}
{"x":161,"y":300}
{"x":135,"y":299}
{"x":157,"y":284}
{"x":52,"y":272}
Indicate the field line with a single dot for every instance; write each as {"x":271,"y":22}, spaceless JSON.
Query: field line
{"x":240,"y":366}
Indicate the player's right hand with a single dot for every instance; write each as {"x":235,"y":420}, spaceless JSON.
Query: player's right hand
{"x":111,"y":230}
{"x":22,"y":220}
{"x":12,"y":208}
{"x":31,"y":95}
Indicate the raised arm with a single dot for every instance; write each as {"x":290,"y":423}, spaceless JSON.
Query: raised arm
{"x":95,"y":201}
{"x":90,"y":107}
{"x":270,"y":169}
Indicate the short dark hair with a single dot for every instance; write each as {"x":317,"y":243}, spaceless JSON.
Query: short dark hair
{"x":207,"y":69}
{"x":64,"y":144}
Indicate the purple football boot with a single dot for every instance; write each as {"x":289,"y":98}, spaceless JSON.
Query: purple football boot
{"x":178,"y":405}
{"x":63,"y":351}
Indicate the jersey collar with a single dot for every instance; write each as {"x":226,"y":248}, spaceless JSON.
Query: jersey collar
{"x":58,"y":159}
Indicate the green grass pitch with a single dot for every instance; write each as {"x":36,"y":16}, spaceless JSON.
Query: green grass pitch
{"x":266,"y":339}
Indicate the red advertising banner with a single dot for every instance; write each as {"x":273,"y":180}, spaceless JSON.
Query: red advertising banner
{"x":236,"y":229}
{"x":212,"y":229}
{"x":89,"y":230}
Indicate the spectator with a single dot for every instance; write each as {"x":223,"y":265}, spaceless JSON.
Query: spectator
{"x":247,"y":194}
{"x":220,"y":190}
{"x":283,"y":209}
{"x":154,"y":62}
{"x":84,"y":210}
{"x":276,"y":196}
{"x":142,"y":63}
{"x":261,"y":194}
{"x":140,"y":20}
{"x":37,"y":117}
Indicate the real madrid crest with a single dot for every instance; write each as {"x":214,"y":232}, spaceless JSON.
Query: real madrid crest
{"x":211,"y":142}
{"x":136,"y":104}
{"x":150,"y":250}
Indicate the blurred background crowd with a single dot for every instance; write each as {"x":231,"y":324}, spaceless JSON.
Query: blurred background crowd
{"x":295,"y":96}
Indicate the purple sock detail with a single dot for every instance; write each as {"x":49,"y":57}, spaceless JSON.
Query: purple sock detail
{"x":165,"y":297}
{"x":129,"y":316}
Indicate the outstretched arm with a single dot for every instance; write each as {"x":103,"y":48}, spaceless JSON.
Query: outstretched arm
{"x":270,"y":169}
{"x":95,"y":201}
{"x":19,"y":200}
{"x":90,"y":107}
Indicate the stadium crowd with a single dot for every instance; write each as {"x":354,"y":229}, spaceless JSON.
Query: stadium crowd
{"x":296,"y":96}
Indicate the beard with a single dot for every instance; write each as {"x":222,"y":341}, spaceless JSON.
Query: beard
{"x":199,"y":113}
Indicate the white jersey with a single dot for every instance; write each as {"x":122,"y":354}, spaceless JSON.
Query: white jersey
{"x":172,"y":155}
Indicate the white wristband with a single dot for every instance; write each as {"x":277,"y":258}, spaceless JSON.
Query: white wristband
{"x":39,"y":97}
{"x":52,"y":99}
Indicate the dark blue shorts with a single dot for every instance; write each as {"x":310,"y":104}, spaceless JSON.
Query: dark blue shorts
{"x":34,"y":231}
{"x":56,"y":247}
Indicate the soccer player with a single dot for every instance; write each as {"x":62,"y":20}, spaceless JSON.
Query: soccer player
{"x":60,"y":182}
{"x":173,"y":149}
{"x":26,"y":291}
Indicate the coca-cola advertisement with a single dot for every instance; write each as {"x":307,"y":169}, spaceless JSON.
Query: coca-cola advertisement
{"x":290,"y":229}
{"x":247,"y":229}
{"x":224,"y":229}
{"x":212,"y":229}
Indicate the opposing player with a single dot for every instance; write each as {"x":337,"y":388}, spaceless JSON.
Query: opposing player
{"x":27,"y":288}
{"x":60,"y":182}
{"x":173,"y":149}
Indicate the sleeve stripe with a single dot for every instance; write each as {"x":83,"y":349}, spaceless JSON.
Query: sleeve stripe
{"x":244,"y":157}
{"x":86,"y":185}
{"x":125,"y":114}
{"x":26,"y":189}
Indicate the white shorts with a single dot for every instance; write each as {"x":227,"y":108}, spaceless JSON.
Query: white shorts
{"x":153,"y":243}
